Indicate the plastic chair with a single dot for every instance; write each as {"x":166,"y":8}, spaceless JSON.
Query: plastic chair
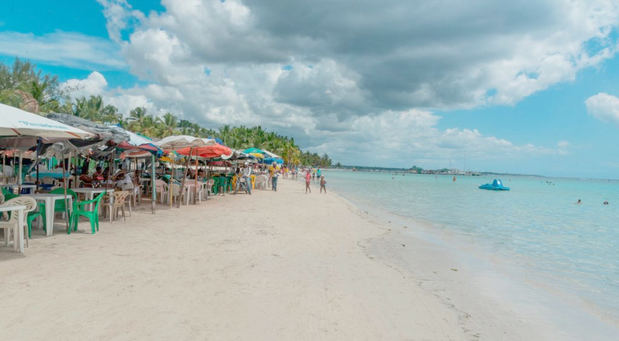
{"x":120,"y":198}
{"x":33,"y":215}
{"x":161,"y":188}
{"x":93,"y":216}
{"x":59,"y":205}
{"x":30,"y":204}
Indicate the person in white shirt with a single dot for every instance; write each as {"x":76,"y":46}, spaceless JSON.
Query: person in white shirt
{"x":247,"y":176}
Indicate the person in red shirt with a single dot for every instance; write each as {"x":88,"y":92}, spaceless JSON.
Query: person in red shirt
{"x":308,"y":179}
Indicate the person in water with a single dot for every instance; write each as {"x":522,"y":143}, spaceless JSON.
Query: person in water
{"x":308,"y":179}
{"x":323,"y":184}
{"x":605,"y":202}
{"x":579,"y":202}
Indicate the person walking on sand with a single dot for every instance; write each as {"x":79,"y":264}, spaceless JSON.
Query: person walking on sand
{"x":323,"y":184}
{"x":308,"y":179}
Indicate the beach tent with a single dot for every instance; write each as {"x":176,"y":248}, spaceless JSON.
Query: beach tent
{"x":17,"y":122}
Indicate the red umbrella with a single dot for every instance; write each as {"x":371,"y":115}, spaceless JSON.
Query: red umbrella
{"x":209,"y":152}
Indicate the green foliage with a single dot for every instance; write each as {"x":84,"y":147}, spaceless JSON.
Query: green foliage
{"x":21,"y":85}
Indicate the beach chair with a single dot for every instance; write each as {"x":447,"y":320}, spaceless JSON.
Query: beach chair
{"x":39,"y":213}
{"x":81,"y":210}
{"x":161,"y":188}
{"x":10,"y":225}
{"x":209,"y":187}
{"x":119,"y":202}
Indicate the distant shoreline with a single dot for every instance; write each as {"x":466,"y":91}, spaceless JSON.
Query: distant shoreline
{"x":463,"y":173}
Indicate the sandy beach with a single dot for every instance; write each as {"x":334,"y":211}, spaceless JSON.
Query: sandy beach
{"x":277,"y":265}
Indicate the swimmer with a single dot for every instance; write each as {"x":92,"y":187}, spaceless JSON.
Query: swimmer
{"x":579,"y":202}
{"x":605,"y":202}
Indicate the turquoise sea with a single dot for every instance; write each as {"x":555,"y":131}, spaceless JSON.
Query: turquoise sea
{"x":536,"y":227}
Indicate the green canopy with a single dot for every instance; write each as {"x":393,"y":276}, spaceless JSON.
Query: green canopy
{"x":253,"y":150}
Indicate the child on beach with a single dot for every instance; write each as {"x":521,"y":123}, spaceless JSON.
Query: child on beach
{"x":308,"y":179}
{"x":323,"y":183}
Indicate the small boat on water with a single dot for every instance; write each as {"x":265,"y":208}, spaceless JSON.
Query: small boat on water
{"x":496,"y":185}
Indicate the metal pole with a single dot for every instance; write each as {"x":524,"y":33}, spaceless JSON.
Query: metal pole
{"x":171,"y":182}
{"x":19,"y":176}
{"x":38,"y":151}
{"x":195,"y":187}
{"x":182,"y":192}
{"x":152,"y":184}
{"x":66,"y":204}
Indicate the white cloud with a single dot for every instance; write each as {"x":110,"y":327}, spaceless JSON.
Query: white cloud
{"x":63,"y":48}
{"x":604,"y":107}
{"x":94,"y":84}
{"x":372,"y":71}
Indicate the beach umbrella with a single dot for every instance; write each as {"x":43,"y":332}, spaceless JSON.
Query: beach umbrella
{"x":139,"y":142}
{"x":211,"y":151}
{"x":253,"y":151}
{"x":182,"y":141}
{"x":17,"y":122}
{"x":175,"y":142}
{"x":207,"y":152}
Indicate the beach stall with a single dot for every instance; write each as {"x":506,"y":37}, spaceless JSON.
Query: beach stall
{"x":212,"y":151}
{"x":21,"y":130}
{"x":176,"y":142}
{"x":142,"y":147}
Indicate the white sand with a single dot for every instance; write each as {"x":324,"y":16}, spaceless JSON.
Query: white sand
{"x":273,"y":266}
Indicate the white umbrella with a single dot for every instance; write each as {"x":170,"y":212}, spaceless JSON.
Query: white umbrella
{"x":17,"y":122}
{"x":272,"y":155}
{"x":182,"y":141}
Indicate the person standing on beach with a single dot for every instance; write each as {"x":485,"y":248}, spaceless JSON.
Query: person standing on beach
{"x":274,"y":177}
{"x":323,"y":184}
{"x":308,"y":179}
{"x":247,"y":176}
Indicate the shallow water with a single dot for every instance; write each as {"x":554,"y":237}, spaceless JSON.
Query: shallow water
{"x":537,"y":226}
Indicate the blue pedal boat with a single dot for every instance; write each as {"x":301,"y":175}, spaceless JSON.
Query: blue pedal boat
{"x":496,"y":185}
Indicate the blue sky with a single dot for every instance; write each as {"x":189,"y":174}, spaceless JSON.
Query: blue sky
{"x":493,"y":92}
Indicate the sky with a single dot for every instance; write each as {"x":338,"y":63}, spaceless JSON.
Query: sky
{"x":521,"y":86}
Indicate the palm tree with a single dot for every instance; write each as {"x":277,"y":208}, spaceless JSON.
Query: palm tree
{"x":168,"y":124}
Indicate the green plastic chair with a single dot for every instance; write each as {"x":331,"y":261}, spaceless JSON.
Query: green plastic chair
{"x":216,"y":185}
{"x":59,"y":205}
{"x":33,"y":215}
{"x":8,"y":195}
{"x":93,"y":216}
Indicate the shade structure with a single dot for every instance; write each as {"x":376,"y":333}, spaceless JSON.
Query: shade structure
{"x":182,"y":141}
{"x":17,"y":122}
{"x":268,"y":154}
{"x":103,"y":132}
{"x":139,"y":143}
{"x":253,"y":151}
{"x":209,"y":152}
